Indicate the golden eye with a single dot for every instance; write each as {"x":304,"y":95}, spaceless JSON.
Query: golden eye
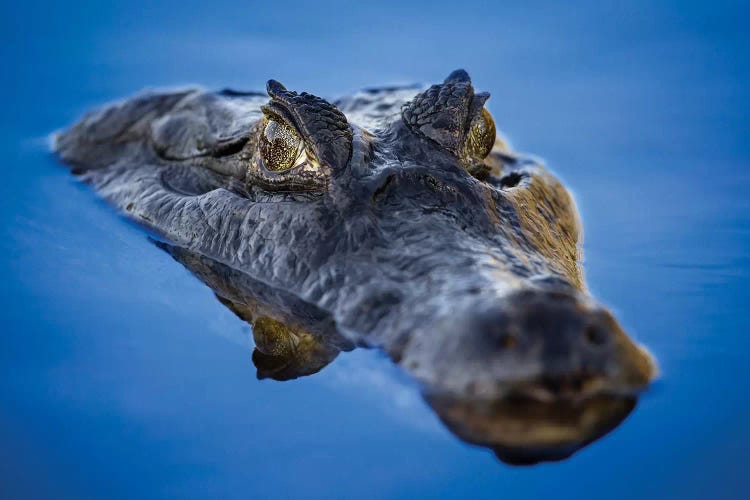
{"x":481,"y":135}
{"x":280,"y":146}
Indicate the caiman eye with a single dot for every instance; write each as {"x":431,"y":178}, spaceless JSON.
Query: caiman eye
{"x":481,"y":136}
{"x":281,"y":147}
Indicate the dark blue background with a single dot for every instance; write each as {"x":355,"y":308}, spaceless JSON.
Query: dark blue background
{"x":121,"y":375}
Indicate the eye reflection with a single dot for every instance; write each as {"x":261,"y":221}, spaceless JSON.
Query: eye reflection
{"x":280,"y":146}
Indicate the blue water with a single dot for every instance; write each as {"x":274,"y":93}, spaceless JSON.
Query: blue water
{"x":122,"y":376}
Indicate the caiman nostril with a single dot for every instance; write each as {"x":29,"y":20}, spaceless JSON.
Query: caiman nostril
{"x":507,"y":341}
{"x":506,"y":338}
{"x":595,"y":335}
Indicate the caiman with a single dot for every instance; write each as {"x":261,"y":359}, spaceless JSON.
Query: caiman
{"x":395,"y":219}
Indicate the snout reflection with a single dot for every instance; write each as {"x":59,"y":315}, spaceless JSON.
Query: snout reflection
{"x":525,"y":431}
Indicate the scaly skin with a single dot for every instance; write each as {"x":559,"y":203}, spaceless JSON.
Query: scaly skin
{"x":464,"y":269}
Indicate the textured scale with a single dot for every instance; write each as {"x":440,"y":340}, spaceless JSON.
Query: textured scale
{"x":442,"y":112}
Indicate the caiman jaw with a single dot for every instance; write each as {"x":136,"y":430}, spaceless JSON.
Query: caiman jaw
{"x":543,"y":345}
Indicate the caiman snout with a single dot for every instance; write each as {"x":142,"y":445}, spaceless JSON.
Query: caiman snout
{"x":541,"y":344}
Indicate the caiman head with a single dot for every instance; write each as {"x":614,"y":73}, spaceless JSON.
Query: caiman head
{"x":396,"y":213}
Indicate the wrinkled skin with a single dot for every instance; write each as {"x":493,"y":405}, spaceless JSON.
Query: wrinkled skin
{"x":397,"y":233}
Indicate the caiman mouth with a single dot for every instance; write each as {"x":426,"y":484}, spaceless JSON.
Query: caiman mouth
{"x":568,"y":387}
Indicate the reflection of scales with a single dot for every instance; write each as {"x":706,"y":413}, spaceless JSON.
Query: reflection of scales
{"x":292,"y":338}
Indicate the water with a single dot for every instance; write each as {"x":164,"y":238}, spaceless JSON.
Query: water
{"x":123,"y":377}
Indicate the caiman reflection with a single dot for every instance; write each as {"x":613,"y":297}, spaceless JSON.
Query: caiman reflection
{"x":393,"y":219}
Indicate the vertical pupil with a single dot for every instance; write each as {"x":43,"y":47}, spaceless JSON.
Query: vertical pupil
{"x":279,"y":146}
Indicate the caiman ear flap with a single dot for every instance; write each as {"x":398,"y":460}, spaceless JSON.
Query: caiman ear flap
{"x":444,"y":112}
{"x":321,"y":124}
